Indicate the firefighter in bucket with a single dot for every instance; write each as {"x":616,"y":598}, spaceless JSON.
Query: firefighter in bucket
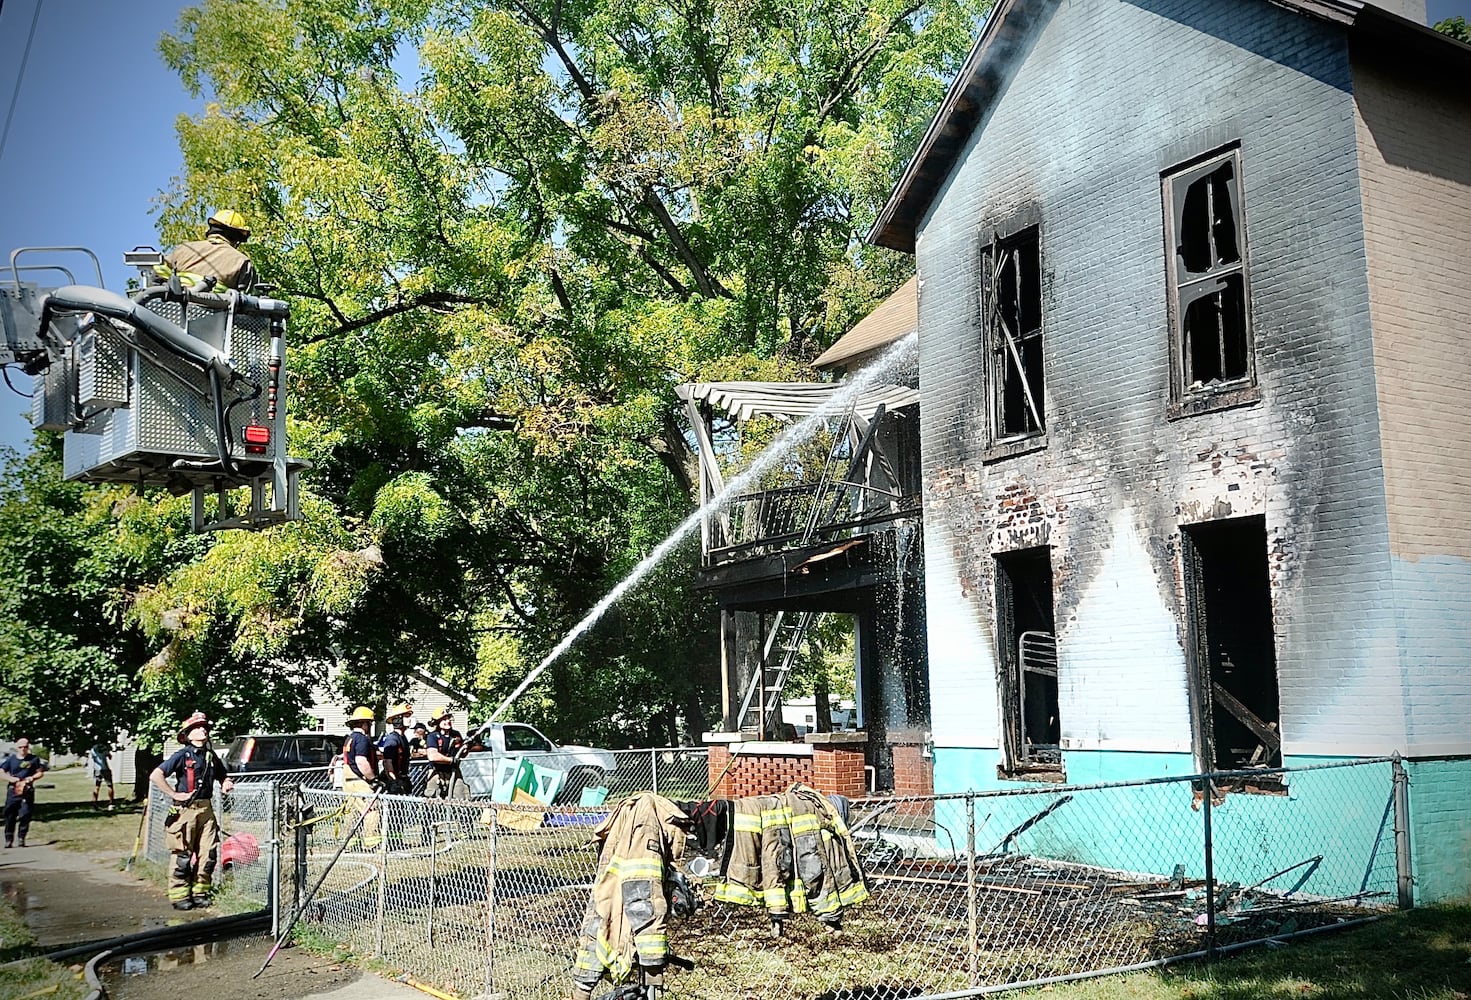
{"x":192,"y":827}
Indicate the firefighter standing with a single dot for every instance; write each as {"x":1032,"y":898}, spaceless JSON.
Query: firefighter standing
{"x":21,"y":770}
{"x":442,"y":748}
{"x":192,"y":827}
{"x":416,"y":742}
{"x":360,"y":777}
{"x":395,"y":749}
{"x":216,"y":256}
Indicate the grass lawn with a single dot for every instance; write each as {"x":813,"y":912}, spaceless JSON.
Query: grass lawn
{"x":36,"y":977}
{"x":65,"y":817}
{"x":1420,"y":955}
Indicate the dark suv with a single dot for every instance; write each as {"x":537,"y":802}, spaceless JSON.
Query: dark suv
{"x":281,"y":751}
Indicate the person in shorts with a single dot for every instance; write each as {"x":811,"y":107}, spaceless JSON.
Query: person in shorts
{"x":99,"y":760}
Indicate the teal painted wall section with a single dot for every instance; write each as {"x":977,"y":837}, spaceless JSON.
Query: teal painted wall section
{"x":1440,"y":829}
{"x":1344,"y":814}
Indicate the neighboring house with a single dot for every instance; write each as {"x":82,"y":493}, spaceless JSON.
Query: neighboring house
{"x":1194,"y":311}
{"x":425,"y":692}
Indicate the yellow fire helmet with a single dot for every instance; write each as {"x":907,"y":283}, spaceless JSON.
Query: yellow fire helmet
{"x":440,"y":713}
{"x":231,"y":219}
{"x":399,"y":711}
{"x":361,"y":714}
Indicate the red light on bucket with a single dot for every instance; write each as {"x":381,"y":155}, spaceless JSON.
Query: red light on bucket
{"x":257,"y":436}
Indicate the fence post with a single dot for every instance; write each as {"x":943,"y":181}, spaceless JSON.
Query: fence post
{"x":382,"y":876}
{"x":1210,"y":875}
{"x":654,"y":769}
{"x":1402,"y":834}
{"x":973,"y":941}
{"x":490,"y":903}
{"x":274,"y":885}
{"x":298,"y":875}
{"x":433,"y":869}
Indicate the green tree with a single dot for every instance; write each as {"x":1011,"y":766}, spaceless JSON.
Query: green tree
{"x":1456,"y":27}
{"x":509,"y":230}
{"x":501,"y":269}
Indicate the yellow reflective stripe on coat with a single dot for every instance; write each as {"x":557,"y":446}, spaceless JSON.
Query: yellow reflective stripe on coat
{"x":186,"y":278}
{"x":654,"y":946}
{"x":602,"y":956}
{"x":631,"y":868}
{"x":806,"y":823}
{"x":734,"y":892}
{"x":777,"y":817}
{"x":747,"y":822}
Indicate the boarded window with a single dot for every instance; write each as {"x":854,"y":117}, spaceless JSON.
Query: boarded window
{"x":1011,"y":297}
{"x":1210,"y":303}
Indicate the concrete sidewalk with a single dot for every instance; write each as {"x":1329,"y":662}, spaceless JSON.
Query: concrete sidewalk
{"x":66,"y":897}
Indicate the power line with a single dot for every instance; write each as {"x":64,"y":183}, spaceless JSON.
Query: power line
{"x":25,"y":57}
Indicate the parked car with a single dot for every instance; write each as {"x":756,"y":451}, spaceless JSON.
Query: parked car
{"x":584,"y":767}
{"x":281,"y":751}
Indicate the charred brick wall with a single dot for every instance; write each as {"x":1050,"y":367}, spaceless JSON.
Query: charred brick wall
{"x":1103,"y":97}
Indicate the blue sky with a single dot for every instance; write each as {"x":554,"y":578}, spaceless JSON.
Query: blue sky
{"x":92,"y":140}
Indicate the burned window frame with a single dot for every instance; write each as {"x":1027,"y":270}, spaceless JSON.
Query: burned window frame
{"x":1007,"y":354}
{"x":1205,"y":690}
{"x":1019,"y":759}
{"x":1227,"y":278}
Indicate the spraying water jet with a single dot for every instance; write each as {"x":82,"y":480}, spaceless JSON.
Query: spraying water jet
{"x":897,"y":354}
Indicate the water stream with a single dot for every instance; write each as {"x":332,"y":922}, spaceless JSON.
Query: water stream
{"x":846,"y":395}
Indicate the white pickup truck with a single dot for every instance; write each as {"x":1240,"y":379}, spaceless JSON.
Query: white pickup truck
{"x":584,"y":767}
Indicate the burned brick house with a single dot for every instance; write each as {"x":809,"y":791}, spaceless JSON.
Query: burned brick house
{"x":1195,"y":390}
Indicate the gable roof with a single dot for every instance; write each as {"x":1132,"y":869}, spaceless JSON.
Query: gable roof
{"x":1408,"y":44}
{"x":894,"y":317}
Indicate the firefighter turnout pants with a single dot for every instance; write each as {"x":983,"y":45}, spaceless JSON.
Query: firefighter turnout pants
{"x":362,"y":799}
{"x":194,"y":841}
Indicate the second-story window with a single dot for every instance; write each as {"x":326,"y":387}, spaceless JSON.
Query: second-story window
{"x":1209,"y":300}
{"x":1011,"y":305}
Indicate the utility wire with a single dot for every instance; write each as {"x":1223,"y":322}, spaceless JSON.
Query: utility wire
{"x":25,"y":57}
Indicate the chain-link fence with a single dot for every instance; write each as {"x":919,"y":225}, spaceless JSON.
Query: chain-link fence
{"x":970,"y":893}
{"x":246,"y":874}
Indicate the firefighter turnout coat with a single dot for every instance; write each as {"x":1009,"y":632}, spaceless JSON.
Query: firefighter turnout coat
{"x":627,"y":916}
{"x":792,"y":853}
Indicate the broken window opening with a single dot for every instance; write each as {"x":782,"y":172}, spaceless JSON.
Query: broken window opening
{"x":1233,"y":673}
{"x":1209,"y":307}
{"x":1012,"y":297}
{"x":1027,"y":654}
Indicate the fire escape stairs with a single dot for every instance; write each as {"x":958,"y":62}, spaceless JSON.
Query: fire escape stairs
{"x":761,"y":707}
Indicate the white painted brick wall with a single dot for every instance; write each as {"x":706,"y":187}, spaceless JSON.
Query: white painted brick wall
{"x":1110,"y":94}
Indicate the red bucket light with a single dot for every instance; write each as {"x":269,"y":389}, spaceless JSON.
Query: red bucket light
{"x":257,"y":436}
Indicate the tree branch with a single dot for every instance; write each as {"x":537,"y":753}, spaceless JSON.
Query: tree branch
{"x":425,"y":300}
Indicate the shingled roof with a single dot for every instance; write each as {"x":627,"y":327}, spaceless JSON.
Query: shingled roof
{"x":895,"y":317}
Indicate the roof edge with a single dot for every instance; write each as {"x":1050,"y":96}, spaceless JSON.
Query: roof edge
{"x":909,"y":200}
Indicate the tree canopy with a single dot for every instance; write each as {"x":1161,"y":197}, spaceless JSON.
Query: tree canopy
{"x":508,"y":231}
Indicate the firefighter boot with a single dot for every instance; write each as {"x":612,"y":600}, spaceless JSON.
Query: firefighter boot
{"x":181,"y":882}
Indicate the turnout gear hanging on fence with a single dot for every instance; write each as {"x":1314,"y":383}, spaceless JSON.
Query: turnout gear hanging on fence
{"x":792,"y":853}
{"x":627,"y":916}
{"x":192,"y":828}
